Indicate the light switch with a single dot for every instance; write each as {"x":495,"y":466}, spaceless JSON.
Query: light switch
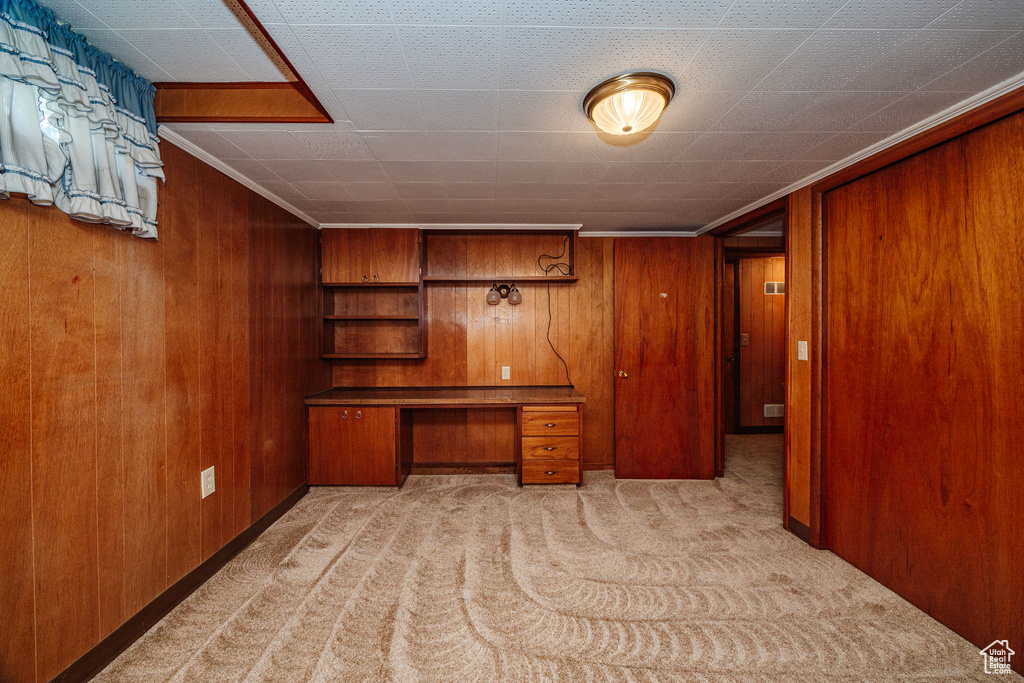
{"x":506,"y":372}
{"x":744,"y":340}
{"x":209,"y":483}
{"x":801,"y":350}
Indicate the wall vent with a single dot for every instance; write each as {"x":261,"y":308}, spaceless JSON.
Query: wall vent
{"x":775,"y":288}
{"x":774,"y":410}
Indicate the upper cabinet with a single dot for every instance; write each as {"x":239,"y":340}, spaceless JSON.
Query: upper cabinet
{"x":371,"y":256}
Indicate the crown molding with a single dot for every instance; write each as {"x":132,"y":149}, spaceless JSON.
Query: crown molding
{"x":639,"y":233}
{"x":943,"y":116}
{"x":505,"y":227}
{"x":170,"y":136}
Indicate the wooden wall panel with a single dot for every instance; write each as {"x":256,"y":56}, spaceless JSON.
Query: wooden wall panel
{"x":798,"y":372}
{"x":762,"y":318}
{"x":103,"y":343}
{"x":924,"y":391}
{"x":468,"y":340}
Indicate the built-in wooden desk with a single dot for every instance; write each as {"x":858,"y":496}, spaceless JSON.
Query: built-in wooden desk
{"x":364,"y":435}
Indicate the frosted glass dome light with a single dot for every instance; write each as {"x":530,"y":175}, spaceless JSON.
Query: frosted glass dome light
{"x":628,"y":103}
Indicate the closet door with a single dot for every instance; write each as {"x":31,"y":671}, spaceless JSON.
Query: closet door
{"x":664,"y":358}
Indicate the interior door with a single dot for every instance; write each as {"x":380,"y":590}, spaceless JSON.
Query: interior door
{"x":664,"y":355}
{"x":729,"y":349}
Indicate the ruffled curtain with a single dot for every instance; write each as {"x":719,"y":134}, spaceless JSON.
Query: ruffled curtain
{"x":77,"y":128}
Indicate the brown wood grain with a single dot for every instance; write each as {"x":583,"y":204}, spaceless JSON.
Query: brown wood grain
{"x":352,"y":445}
{"x":798,"y":373}
{"x":280,"y":102}
{"x":664,"y":408}
{"x":551,"y":472}
{"x":762,"y":319}
{"x":924,"y":396}
{"x":729,"y":348}
{"x":376,"y":254}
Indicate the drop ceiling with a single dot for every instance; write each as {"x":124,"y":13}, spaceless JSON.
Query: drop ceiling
{"x":469,"y":111}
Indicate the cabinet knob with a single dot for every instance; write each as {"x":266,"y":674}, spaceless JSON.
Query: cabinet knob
{"x":623,"y":374}
{"x":366,"y":278}
{"x":551,"y":472}
{"x":359,"y":415}
{"x":551,"y":448}
{"x":375,"y":278}
{"x":344,"y":415}
{"x":550,"y":424}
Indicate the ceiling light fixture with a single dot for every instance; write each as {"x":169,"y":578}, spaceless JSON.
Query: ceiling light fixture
{"x":628,"y":103}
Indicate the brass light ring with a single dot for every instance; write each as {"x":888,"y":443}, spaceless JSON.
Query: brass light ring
{"x":631,"y":81}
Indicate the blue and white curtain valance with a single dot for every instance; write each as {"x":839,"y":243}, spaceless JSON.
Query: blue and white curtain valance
{"x":77,"y":128}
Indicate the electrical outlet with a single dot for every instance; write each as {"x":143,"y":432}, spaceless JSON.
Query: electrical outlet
{"x":209,"y":483}
{"x":506,"y":372}
{"x":801,"y":350}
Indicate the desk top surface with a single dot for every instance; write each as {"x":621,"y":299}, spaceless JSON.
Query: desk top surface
{"x":445,"y":396}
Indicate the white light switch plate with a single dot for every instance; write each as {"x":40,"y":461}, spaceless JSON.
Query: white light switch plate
{"x":506,"y":372}
{"x":209,"y":483}
{"x":801,"y":350}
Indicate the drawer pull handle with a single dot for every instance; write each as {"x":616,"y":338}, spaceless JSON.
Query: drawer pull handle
{"x":550,"y":424}
{"x":550,"y":448}
{"x":551,"y":472}
{"x":359,"y":415}
{"x":344,"y":415}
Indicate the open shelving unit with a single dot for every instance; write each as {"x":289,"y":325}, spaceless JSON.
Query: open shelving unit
{"x":373,"y":321}
{"x":490,"y":256}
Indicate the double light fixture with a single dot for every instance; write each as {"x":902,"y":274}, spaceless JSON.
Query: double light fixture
{"x":628,"y":103}
{"x":503,"y":291}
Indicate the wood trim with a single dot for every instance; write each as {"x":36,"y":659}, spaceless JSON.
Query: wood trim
{"x":818,"y":364}
{"x":798,"y":529}
{"x":93,"y":661}
{"x":746,"y":220}
{"x":998,"y":108}
{"x":719,"y":359}
{"x":254,"y":102}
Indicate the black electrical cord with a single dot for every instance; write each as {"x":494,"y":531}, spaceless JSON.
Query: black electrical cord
{"x":563,"y":269}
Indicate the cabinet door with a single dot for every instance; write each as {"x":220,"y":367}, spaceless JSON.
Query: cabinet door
{"x":371,"y":445}
{"x":395,"y":254}
{"x":329,"y":461}
{"x":345,"y":256}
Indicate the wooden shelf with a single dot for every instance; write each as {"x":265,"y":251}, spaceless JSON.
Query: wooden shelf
{"x":380,"y":356}
{"x":508,"y":279}
{"x":371,"y":317}
{"x":371,"y":284}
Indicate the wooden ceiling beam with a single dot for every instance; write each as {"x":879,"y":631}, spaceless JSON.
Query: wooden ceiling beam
{"x":248,"y":102}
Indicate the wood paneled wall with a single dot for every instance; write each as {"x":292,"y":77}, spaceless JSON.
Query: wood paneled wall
{"x":924,"y":379}
{"x":763,"y":320}
{"x":798,"y":372}
{"x":468,"y":341}
{"x":127,"y":366}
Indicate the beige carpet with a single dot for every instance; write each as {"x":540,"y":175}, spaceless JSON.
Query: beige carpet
{"x":470,"y":578}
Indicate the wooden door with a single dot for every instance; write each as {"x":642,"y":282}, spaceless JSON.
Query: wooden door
{"x":329,"y":461}
{"x":664,"y":355}
{"x":762,"y":330}
{"x":729,"y":350}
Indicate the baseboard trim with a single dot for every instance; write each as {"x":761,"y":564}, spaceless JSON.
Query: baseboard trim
{"x":107,"y":650}
{"x":799,"y":529}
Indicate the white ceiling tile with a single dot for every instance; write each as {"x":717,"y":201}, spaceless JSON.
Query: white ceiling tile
{"x":471,"y":190}
{"x":560,"y":12}
{"x":840,"y":146}
{"x":355,"y":170}
{"x":697,"y":190}
{"x":282,"y":189}
{"x":468,"y":171}
{"x":547,"y":58}
{"x":737,"y":59}
{"x":676,"y":13}
{"x":914,"y":107}
{"x":538,"y":146}
{"x":300,"y":170}
{"x":326,"y":145}
{"x":829,"y":58}
{"x":72,"y":12}
{"x":215,"y":143}
{"x":716,"y":171}
{"x":382,"y":109}
{"x":658,"y":146}
{"x":225,"y":14}
{"x":1003,"y":61}
{"x":371,"y":191}
{"x":253,"y":170}
{"x":186,"y":54}
{"x":755,"y":191}
{"x":391,"y":146}
{"x":317,"y":190}
{"x":452,"y":56}
{"x":412,"y":171}
{"x":780,"y":13}
{"x":422,"y":190}
{"x":307,"y":205}
{"x":924,"y":57}
{"x":341,"y":206}
{"x":429,"y":204}
{"x":252,"y":54}
{"x":448,"y":12}
{"x":665,"y":51}
{"x":588,"y":146}
{"x":356,"y":56}
{"x":802,"y":111}
{"x":696,"y":110}
{"x":459,"y":109}
{"x":889,"y":13}
{"x":539,"y":110}
{"x":160,"y":15}
{"x":265,"y":145}
{"x":472,"y":205}
{"x":981,"y":14}
{"x":465,"y":146}
{"x":633,"y":171}
{"x":793,"y":171}
{"x":781,"y":146}
{"x":329,"y":12}
{"x":378,"y":206}
{"x":111,"y":41}
{"x":718,"y":146}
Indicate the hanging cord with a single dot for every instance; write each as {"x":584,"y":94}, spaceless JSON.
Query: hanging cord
{"x":563,"y":269}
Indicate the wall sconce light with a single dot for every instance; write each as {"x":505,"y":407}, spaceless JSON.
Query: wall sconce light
{"x":498,"y":292}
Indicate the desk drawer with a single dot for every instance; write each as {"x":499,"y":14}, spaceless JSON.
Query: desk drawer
{"x":551,"y":423}
{"x":551,"y":472}
{"x":551,"y":447}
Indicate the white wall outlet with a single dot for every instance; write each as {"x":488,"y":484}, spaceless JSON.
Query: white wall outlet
{"x":801,"y":350}
{"x":506,"y":372}
{"x":209,"y":483}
